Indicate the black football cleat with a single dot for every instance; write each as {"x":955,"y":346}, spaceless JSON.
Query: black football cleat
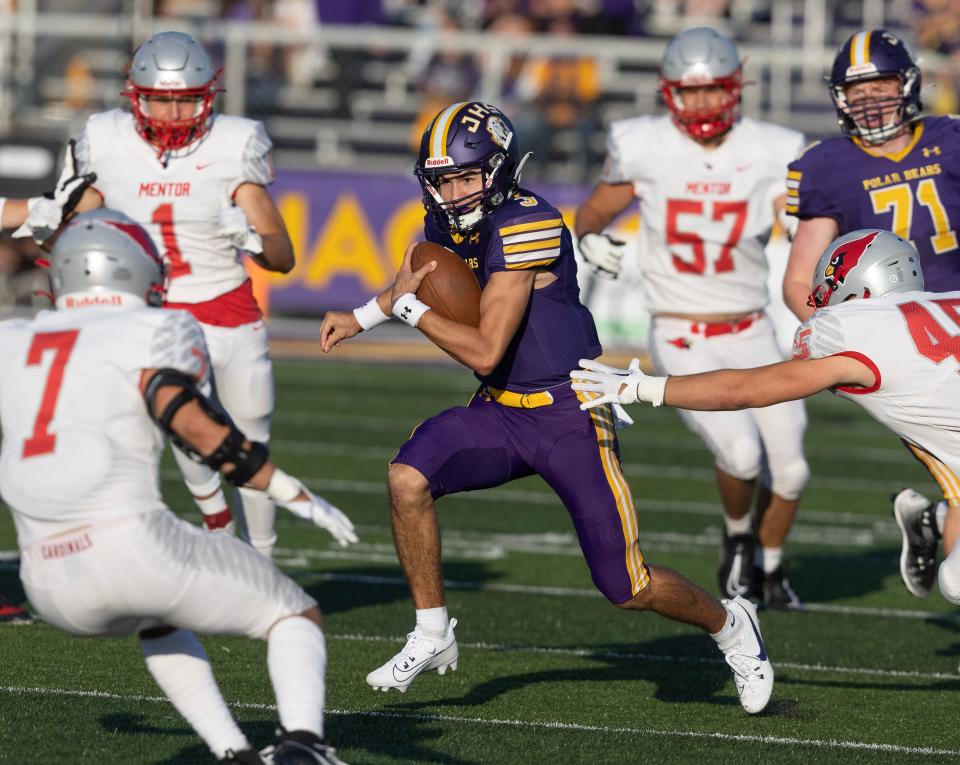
{"x":735,"y":576}
{"x":300,"y":747}
{"x":916,"y":517}
{"x":777,"y":593}
{"x":248,"y":756}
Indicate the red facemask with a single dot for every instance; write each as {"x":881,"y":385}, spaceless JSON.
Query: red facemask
{"x":704,"y":124}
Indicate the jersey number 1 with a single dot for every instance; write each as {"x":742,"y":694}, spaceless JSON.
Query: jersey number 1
{"x":163,"y":217}
{"x":930,"y":337}
{"x":675,"y":236}
{"x":61,"y":343}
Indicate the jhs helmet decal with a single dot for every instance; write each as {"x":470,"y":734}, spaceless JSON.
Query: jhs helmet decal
{"x":499,"y":132}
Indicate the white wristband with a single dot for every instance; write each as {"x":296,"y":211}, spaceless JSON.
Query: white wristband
{"x":408,"y":309}
{"x":651,"y":389}
{"x":282,"y":487}
{"x":369,"y":314}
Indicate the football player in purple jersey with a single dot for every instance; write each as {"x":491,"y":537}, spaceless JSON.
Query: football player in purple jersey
{"x":524,"y":418}
{"x":892,"y":169}
{"x":889,"y":170}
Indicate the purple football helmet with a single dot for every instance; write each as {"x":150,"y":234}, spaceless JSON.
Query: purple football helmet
{"x":465,"y":136}
{"x":871,"y":55}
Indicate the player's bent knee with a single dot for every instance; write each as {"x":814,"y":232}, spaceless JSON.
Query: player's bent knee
{"x":406,"y":483}
{"x":640,"y":602}
{"x":790,"y":479}
{"x":741,"y":458}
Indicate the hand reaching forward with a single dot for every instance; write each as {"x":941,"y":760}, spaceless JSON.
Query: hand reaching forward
{"x":616,"y":386}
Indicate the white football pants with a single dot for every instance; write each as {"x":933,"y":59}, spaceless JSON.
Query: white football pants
{"x":739,"y":440}
{"x":243,"y":384}
{"x":153,"y":569}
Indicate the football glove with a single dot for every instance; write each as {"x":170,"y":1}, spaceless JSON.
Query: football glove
{"x":603,"y":253}
{"x":284,"y":490}
{"x":616,"y":386}
{"x":46,"y":213}
{"x":238,"y":231}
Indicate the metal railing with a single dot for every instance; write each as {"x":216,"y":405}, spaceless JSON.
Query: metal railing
{"x":787,"y":71}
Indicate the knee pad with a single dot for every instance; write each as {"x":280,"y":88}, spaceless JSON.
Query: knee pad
{"x":741,"y":457}
{"x":788,"y":479}
{"x":948,"y":577}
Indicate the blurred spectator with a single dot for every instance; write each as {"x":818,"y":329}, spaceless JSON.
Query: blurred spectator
{"x":447,"y":76}
{"x":562,"y":91}
{"x":20,"y":279}
{"x":937,"y":27}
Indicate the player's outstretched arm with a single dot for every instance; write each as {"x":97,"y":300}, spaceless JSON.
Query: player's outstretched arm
{"x":208,"y":436}
{"x":338,"y":326}
{"x":255,"y":226}
{"x":42,"y":216}
{"x":724,"y":389}
{"x":813,"y":236}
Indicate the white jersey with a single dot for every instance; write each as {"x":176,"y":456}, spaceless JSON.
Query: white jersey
{"x":911,"y":341}
{"x":179,"y":203}
{"x":705,"y":212}
{"x":78,"y":444}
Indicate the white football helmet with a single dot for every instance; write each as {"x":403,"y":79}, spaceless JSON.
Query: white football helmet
{"x":105,"y":258}
{"x":701,"y":56}
{"x":172,"y":64}
{"x":863,"y":264}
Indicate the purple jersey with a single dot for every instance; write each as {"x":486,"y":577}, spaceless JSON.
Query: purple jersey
{"x":915,"y":193}
{"x":557,"y":329}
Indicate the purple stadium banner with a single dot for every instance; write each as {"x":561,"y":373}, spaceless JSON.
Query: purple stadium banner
{"x":349,"y":231}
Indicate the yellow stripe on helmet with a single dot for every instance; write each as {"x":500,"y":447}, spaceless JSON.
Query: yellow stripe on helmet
{"x":441,"y":128}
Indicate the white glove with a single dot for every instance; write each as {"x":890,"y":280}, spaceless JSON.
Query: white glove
{"x":617,"y":386}
{"x":284,"y":490}
{"x":46,"y":213}
{"x":238,"y":231}
{"x":603,"y":253}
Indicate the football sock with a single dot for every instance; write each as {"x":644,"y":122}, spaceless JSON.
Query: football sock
{"x":737,"y":526}
{"x":768,"y":558}
{"x":727,"y":631}
{"x":259,"y":514}
{"x":433,"y":621}
{"x":941,"y":513}
{"x":297,"y":662}
{"x":181,"y":668}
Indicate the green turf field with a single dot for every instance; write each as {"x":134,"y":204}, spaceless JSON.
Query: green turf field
{"x":549,"y":672}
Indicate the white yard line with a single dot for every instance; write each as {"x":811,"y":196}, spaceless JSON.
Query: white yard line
{"x":592,"y":653}
{"x":529,"y":724}
{"x":576,"y":592}
{"x":502,"y":495}
{"x":636,"y":469}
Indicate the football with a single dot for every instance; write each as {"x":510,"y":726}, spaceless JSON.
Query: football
{"x":451,"y":289}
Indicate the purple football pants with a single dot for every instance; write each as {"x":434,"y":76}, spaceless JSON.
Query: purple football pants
{"x":486,"y":444}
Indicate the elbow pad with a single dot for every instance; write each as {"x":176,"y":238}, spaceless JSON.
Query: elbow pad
{"x":246,"y":461}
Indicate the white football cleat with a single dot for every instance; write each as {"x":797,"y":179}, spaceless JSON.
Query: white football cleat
{"x":422,"y":653}
{"x":745,"y":653}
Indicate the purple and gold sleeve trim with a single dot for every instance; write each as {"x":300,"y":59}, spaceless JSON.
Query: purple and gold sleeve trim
{"x":793,"y":192}
{"x":531,"y":245}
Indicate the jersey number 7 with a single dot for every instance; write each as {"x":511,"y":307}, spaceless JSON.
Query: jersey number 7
{"x":737,"y":211}
{"x":61,"y":343}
